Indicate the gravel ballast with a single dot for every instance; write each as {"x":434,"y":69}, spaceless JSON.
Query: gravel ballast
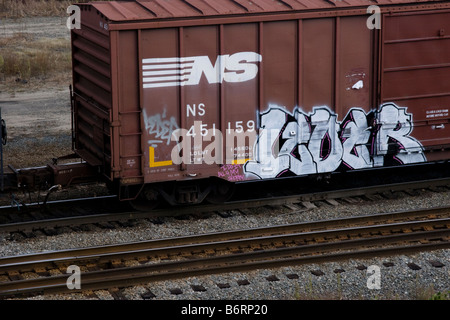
{"x":401,"y":277}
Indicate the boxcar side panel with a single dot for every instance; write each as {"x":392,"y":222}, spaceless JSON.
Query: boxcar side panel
{"x":129,"y":107}
{"x":317,"y":65}
{"x":200,"y":104}
{"x":217,"y":79}
{"x":355,"y":45}
{"x":279,"y":65}
{"x":238,"y":110}
{"x":160,"y":101}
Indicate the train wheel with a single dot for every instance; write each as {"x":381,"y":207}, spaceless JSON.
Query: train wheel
{"x":220,"y":192}
{"x":147,"y":200}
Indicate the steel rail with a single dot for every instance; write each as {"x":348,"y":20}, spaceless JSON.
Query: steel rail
{"x":234,"y":205}
{"x":321,"y":252}
{"x":238,"y":238}
{"x":62,"y":201}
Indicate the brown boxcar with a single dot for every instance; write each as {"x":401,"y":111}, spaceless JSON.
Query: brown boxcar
{"x":169,"y":94}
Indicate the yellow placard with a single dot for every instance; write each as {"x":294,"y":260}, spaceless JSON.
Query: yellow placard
{"x":240,"y":161}
{"x":153,"y":163}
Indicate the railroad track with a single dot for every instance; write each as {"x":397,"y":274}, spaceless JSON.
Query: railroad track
{"x":299,"y":201}
{"x":241,"y":250}
{"x":18,"y":214}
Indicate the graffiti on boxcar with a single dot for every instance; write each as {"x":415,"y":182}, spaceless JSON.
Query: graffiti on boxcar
{"x":159,"y":127}
{"x":316,"y":142}
{"x":231,"y":172}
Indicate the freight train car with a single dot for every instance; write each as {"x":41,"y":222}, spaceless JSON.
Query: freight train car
{"x":182,"y":98}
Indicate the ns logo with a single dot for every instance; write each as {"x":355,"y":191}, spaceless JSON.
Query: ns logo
{"x":186,"y":71}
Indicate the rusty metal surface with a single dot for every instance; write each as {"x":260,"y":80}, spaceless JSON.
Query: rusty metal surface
{"x":92,"y":99}
{"x":415,"y":74}
{"x":342,"y":96}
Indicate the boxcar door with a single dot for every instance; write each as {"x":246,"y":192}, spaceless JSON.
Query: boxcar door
{"x":415,"y":84}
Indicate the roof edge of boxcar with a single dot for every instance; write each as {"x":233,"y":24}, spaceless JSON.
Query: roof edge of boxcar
{"x":151,"y":10}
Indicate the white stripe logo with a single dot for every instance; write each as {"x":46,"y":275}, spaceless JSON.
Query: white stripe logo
{"x":168,"y":72}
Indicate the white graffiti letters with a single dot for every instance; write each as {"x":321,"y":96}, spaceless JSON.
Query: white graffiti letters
{"x":297,"y":135}
{"x":323,"y":145}
{"x":395,"y":126}
{"x":354,"y":136}
{"x":317,"y":143}
{"x":270,"y":161}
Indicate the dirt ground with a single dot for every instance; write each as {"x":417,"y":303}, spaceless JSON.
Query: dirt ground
{"x":38,"y":126}
{"x":40,"y":27}
{"x":37,"y":113}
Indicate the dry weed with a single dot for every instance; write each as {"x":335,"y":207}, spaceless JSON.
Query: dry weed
{"x":33,"y":8}
{"x":26,"y":58}
{"x":26,"y":62}
{"x":23,"y":59}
